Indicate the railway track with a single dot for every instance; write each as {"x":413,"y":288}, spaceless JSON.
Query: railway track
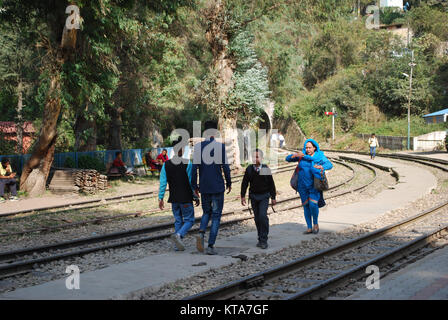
{"x":21,"y":261}
{"x":93,"y":203}
{"x":316,"y":275}
{"x":432,"y":162}
{"x":321,"y":274}
{"x":99,"y":220}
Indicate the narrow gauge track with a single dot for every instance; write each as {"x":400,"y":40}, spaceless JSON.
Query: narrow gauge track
{"x":87,"y":204}
{"x":432,"y":162}
{"x":292,"y":281}
{"x":331,"y":268}
{"x":100,"y":220}
{"x":19,"y":261}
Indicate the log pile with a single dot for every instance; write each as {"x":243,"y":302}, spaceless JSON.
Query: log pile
{"x":90,"y":181}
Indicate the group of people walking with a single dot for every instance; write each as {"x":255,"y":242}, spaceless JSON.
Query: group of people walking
{"x":182,"y":177}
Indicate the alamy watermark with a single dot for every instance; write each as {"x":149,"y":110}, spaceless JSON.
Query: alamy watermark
{"x":74,"y":19}
{"x":72,"y":281}
{"x":373,"y":21}
{"x":373,"y":281}
{"x":213,"y":153}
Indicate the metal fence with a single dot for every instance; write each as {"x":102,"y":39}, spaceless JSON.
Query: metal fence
{"x":132,"y":157}
{"x":389,"y":142}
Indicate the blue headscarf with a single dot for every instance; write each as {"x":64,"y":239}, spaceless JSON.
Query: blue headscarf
{"x":318,"y":155}
{"x":318,"y":158}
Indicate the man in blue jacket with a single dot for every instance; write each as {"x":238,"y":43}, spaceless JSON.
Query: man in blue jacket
{"x":211,"y":160}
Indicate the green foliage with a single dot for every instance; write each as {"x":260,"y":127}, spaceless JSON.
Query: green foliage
{"x":426,"y":19}
{"x":336,"y":46}
{"x":86,"y":162}
{"x":398,"y":126}
{"x":389,"y":15}
{"x":7,"y":147}
{"x":69,"y":163}
{"x":251,"y":87}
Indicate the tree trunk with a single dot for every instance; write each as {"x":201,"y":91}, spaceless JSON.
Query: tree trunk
{"x":19,"y":124}
{"x":227,"y":126}
{"x":223,"y":66}
{"x":115,"y":129}
{"x":36,"y":170}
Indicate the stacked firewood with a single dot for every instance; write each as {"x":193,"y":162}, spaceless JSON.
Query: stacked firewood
{"x":90,"y":181}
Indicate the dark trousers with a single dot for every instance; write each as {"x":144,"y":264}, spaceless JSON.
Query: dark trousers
{"x":260,"y":203}
{"x":12,"y":183}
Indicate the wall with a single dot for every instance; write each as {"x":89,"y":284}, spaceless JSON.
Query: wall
{"x":389,"y":142}
{"x":294,"y":137}
{"x":430,"y":141}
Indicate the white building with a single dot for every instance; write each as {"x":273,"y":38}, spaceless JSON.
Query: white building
{"x":391,"y":3}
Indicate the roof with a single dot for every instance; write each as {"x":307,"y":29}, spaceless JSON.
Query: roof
{"x":10,"y":127}
{"x":438,"y":113}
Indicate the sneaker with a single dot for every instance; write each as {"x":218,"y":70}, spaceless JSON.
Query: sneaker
{"x":13,"y":198}
{"x":2,"y":200}
{"x":178,"y":241}
{"x":259,"y":244}
{"x":211,"y":251}
{"x":200,"y":242}
{"x":263,"y":246}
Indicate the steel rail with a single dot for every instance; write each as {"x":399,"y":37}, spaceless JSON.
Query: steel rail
{"x":11,"y":268}
{"x":234,"y":288}
{"x":100,"y":202}
{"x":102,"y":219}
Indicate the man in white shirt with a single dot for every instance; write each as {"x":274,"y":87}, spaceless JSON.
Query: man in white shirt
{"x":373,"y":144}
{"x":281,"y":138}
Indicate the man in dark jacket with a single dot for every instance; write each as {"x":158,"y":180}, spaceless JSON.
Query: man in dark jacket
{"x":211,"y":160}
{"x":177,"y":172}
{"x":262,"y":187}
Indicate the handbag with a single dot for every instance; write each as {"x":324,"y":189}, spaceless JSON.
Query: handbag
{"x":295,"y":177}
{"x":321,"y":184}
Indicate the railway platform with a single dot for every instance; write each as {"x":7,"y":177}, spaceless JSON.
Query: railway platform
{"x":118,"y":281}
{"x":426,"y":279}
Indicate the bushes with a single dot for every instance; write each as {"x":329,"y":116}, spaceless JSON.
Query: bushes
{"x":69,"y":163}
{"x":86,"y":162}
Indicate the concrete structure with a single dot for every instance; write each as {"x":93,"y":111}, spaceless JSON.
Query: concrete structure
{"x":391,"y":3}
{"x":155,"y":270}
{"x":430,"y":142}
{"x":426,"y":279}
{"x":437,"y":117}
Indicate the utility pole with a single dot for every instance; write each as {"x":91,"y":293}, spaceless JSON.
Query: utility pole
{"x":412,"y":64}
{"x":332,"y":117}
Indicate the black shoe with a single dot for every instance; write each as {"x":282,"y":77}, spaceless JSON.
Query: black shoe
{"x":308,"y":232}
{"x":315,"y":231}
{"x":263,"y":246}
{"x":259,"y":244}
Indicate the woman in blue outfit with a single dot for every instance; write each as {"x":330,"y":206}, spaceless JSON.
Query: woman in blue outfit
{"x":312,"y":164}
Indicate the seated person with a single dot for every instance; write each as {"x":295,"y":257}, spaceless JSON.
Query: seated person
{"x":120,"y":165}
{"x":7,"y":177}
{"x":151,"y":163}
{"x":163,"y":157}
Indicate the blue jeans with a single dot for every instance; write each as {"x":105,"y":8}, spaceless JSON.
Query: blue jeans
{"x":183,"y":217}
{"x":212,"y":204}
{"x":372,"y":151}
